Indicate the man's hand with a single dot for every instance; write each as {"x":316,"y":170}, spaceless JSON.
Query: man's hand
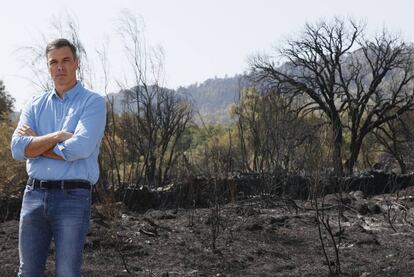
{"x":63,"y":135}
{"x":26,"y":130}
{"x":60,"y":136}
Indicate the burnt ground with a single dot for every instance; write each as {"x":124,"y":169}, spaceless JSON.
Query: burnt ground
{"x":255,"y":237}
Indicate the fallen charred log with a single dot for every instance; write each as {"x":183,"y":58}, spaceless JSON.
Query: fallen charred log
{"x":202,"y":192}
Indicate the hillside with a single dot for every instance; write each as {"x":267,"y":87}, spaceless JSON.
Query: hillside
{"x":211,"y":99}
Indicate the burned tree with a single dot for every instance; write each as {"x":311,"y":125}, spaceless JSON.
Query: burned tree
{"x":155,"y":117}
{"x":378,"y":85}
{"x":355,"y":90}
{"x":313,"y":63}
{"x":152,"y":128}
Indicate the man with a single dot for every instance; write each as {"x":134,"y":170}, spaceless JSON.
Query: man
{"x":59,"y":134}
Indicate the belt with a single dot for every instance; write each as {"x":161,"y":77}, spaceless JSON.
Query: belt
{"x":59,"y":184}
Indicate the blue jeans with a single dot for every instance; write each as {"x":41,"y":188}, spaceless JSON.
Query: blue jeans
{"x":53,"y":213}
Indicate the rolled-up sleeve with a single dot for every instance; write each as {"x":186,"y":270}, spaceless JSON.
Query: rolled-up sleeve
{"x":19,"y":143}
{"x":88,"y":132}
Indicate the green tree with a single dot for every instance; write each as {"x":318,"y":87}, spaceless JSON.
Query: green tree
{"x":6,"y":102}
{"x":272,"y":133}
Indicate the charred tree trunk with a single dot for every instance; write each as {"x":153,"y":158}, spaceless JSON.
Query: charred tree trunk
{"x":337,"y":141}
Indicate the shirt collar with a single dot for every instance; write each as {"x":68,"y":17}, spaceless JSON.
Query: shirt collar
{"x":70,"y":94}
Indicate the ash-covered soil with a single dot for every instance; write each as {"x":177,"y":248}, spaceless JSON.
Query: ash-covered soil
{"x":262,"y":236}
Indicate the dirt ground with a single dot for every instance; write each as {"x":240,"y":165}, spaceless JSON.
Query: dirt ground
{"x":256,"y":237}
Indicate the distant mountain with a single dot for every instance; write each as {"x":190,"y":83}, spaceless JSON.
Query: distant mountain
{"x":211,"y":99}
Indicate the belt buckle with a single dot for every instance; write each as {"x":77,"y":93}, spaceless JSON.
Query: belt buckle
{"x":41,"y":184}
{"x":62,"y":184}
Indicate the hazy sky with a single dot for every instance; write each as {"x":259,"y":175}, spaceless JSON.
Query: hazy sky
{"x":201,"y":39}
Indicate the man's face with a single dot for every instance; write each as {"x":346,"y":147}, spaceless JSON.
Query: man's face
{"x":62,"y":66}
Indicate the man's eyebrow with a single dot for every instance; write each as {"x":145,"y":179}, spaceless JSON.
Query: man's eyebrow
{"x":64,"y":58}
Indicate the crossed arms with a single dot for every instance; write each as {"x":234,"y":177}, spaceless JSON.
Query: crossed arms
{"x":42,"y":145}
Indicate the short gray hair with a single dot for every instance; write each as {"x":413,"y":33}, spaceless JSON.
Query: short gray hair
{"x":59,"y":43}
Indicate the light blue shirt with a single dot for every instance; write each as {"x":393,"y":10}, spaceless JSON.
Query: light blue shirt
{"x":81,"y":112}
